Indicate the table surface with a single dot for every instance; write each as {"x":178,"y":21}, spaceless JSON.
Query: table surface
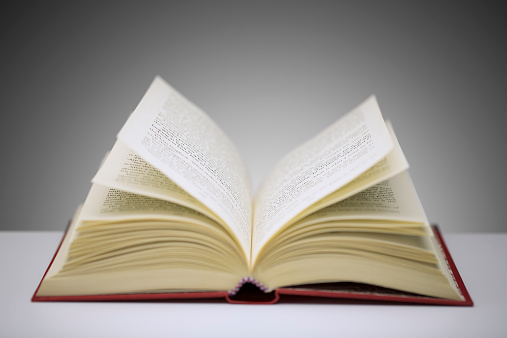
{"x":24,"y":257}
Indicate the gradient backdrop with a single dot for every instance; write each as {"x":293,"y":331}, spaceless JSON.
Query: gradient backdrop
{"x":271,"y":74}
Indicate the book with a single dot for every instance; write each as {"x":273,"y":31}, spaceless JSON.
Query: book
{"x":171,"y":215}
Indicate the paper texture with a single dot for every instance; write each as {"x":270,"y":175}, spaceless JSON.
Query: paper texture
{"x":182,"y":142}
{"x":327,"y":162}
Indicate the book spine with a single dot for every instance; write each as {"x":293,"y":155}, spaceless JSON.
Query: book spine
{"x":245,"y":280}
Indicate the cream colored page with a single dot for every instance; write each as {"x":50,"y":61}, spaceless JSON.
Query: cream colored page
{"x":61,"y":257}
{"x":394,"y":199}
{"x":182,"y":142}
{"x":123,"y":169}
{"x":319,"y":167}
{"x":393,"y":164}
{"x":104,"y":203}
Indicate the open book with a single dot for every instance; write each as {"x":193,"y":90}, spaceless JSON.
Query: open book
{"x":171,"y":212}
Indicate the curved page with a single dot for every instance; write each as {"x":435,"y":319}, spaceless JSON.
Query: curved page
{"x":333,"y":158}
{"x":181,"y":141}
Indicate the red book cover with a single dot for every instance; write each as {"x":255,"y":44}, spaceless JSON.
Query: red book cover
{"x":250,"y":293}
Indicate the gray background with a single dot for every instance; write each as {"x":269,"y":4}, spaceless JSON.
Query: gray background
{"x":270,"y":74}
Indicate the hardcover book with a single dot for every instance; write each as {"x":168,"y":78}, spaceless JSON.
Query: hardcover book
{"x":171,"y":215}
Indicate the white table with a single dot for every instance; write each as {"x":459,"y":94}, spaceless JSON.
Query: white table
{"x":481,"y":260}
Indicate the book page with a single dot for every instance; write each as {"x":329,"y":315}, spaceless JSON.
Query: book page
{"x":394,"y":199}
{"x":104,"y":203}
{"x":121,"y":232}
{"x":391,"y":165}
{"x":123,"y":169}
{"x":181,"y":141}
{"x":335,"y":157}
